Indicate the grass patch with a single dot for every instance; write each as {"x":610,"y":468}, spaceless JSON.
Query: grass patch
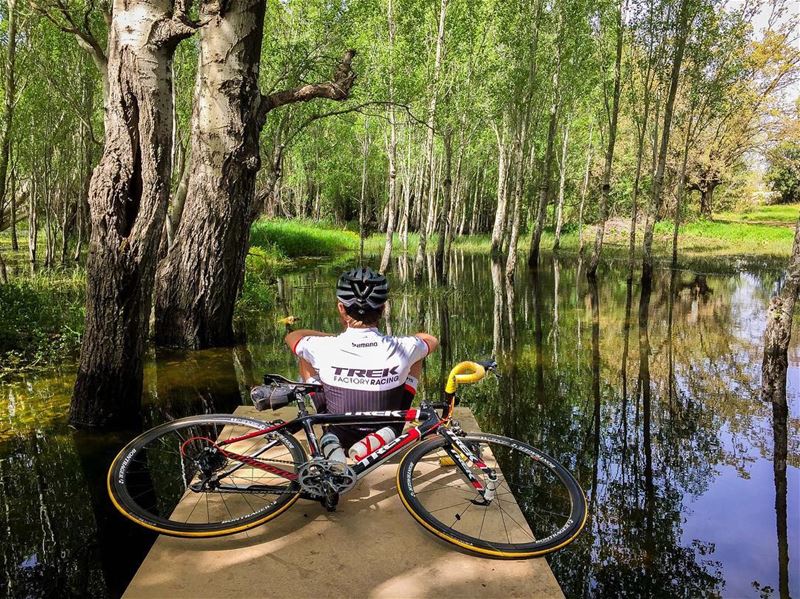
{"x":295,"y":239}
{"x":779,"y":214}
{"x":727,"y":238}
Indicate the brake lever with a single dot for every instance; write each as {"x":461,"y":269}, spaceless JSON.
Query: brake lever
{"x":490,"y":365}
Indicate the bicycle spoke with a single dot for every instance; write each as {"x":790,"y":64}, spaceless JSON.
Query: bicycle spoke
{"x":530,"y":499}
{"x":169,"y":469}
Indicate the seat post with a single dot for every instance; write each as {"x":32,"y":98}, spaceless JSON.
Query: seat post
{"x":301,"y":406}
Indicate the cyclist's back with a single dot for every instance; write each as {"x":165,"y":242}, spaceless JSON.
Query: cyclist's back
{"x":361,"y":369}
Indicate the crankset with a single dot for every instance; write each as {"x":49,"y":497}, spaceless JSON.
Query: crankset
{"x":325,"y":480}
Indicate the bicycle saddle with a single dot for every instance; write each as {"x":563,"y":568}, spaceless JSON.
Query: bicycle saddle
{"x":278,"y":392}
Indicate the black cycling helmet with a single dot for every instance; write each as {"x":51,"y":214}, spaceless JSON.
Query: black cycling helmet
{"x":363,"y":289}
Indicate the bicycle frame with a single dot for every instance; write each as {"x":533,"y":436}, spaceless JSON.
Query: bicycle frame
{"x":427,"y":416}
{"x":429,"y":421}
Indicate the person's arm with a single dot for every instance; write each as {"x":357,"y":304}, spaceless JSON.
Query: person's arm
{"x":293,"y":338}
{"x":431,"y":341}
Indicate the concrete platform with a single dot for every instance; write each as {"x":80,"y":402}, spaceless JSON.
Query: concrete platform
{"x":371,"y":547}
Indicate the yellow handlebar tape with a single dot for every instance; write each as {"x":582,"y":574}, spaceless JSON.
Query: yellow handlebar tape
{"x":464,"y":372}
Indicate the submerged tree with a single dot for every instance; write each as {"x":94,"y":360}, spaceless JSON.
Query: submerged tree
{"x":128,"y":199}
{"x":200,"y":278}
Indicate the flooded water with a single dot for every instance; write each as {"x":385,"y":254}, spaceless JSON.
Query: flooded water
{"x":651,"y":397}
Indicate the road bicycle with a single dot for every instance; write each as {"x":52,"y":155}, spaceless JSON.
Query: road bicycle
{"x":213,"y":475}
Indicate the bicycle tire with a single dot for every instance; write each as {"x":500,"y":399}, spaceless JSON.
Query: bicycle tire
{"x":410,"y":494}
{"x":123,"y":472}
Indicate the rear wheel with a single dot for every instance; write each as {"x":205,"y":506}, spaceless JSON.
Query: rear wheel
{"x":538,"y":508}
{"x":176,"y":479}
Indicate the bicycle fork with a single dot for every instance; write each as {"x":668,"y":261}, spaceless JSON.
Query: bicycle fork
{"x":486,"y":491}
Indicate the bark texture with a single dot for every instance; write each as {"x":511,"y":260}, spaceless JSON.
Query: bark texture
{"x":199,"y":279}
{"x":201,"y":276}
{"x":127,"y":200}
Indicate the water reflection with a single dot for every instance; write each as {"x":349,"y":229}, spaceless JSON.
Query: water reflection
{"x":648,"y":391}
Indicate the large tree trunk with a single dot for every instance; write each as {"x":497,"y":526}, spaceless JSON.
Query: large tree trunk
{"x":605,"y":188}
{"x":128,"y":200}
{"x":707,"y":198}
{"x":200,"y":278}
{"x":773,"y":387}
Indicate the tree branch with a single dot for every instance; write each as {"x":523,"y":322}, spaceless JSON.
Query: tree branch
{"x":337,"y":89}
{"x":83,"y":33}
{"x":168,"y":32}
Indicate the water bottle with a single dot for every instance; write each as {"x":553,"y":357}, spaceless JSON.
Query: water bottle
{"x":332,"y":449}
{"x":371,"y":442}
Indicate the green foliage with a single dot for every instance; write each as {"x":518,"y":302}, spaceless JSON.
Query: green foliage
{"x":784,"y":171}
{"x":41,"y":320}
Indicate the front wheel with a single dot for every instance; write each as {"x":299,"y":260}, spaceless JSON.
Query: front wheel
{"x":178,"y":480}
{"x":538,"y":507}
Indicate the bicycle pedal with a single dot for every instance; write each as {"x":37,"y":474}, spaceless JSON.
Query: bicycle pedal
{"x":447,"y":461}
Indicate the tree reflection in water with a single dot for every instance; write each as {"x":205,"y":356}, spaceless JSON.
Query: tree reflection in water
{"x":649,"y":424}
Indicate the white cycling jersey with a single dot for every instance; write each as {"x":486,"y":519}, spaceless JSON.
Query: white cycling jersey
{"x":362,"y":359}
{"x":362,"y":370}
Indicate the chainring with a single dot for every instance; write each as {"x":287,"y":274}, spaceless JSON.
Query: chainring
{"x":319,"y":476}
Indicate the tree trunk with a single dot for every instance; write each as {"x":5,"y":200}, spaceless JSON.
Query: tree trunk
{"x":9,"y":99}
{"x":429,"y":174}
{"x":392,"y":149}
{"x":680,"y":192}
{"x":706,"y":199}
{"x":658,"y":178}
{"x":362,"y":201}
{"x":408,"y":185}
{"x":544,"y":186}
{"x":200,"y":278}
{"x":33,"y":225}
{"x":584,"y":190}
{"x":562,"y":180}
{"x":444,"y":221}
{"x":516,"y":211}
{"x":605,"y":188}
{"x":14,"y":239}
{"x":499,"y":228}
{"x":779,"y":330}
{"x":636,"y":180}
{"x":177,"y":202}
{"x":128,"y":200}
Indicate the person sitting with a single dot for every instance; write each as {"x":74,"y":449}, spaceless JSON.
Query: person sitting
{"x":361,"y":369}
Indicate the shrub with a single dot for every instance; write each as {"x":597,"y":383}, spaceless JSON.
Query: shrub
{"x":41,"y":320}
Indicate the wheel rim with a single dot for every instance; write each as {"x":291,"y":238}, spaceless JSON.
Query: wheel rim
{"x":159,"y":480}
{"x":534,"y":508}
